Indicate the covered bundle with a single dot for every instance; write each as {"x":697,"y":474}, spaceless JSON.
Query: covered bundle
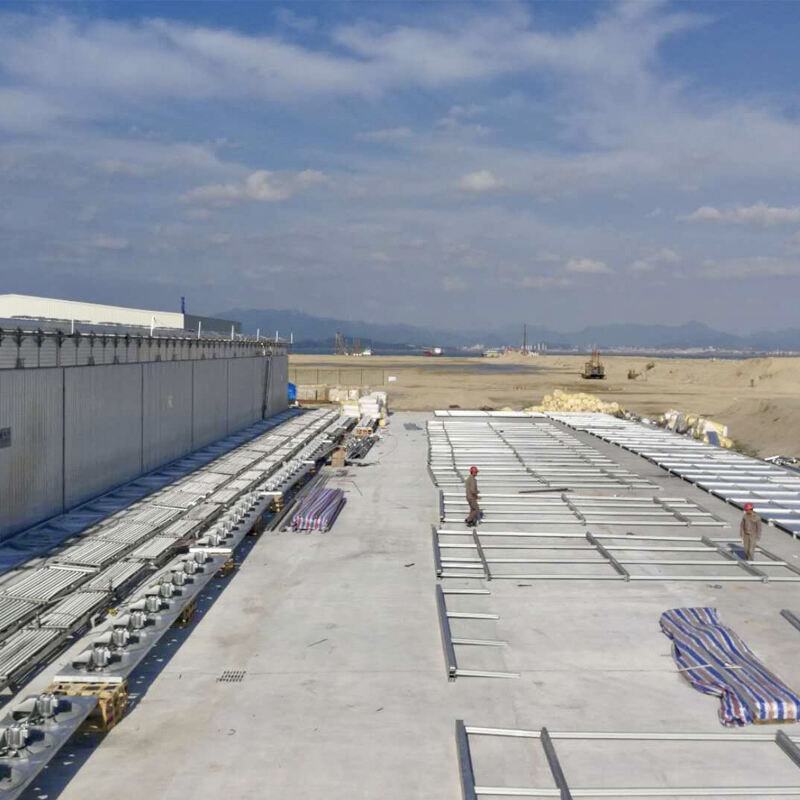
{"x":716,"y":661}
{"x":318,"y":510}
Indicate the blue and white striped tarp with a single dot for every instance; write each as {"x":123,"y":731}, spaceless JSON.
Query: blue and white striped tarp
{"x":716,"y":661}
{"x":318,"y":510}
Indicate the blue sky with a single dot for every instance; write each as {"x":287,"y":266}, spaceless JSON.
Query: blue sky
{"x":560,"y":163}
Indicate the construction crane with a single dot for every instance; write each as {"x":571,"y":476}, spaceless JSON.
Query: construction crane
{"x":593,"y":369}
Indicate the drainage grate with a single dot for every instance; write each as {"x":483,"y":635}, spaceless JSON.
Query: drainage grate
{"x":411,"y":426}
{"x":232,"y":676}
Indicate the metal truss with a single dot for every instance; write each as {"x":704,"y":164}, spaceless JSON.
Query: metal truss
{"x":472,"y":554}
{"x":471,"y":790}
{"x":449,"y":642}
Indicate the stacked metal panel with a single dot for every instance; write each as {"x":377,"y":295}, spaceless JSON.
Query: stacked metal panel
{"x":736,"y":478}
{"x":58,"y":597}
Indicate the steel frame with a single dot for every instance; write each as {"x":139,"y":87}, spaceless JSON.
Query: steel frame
{"x":612,"y":550}
{"x":564,"y":509}
{"x":449,"y":643}
{"x":733,"y":477}
{"x":470,"y":790}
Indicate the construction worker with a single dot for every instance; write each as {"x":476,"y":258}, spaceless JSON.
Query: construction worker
{"x":471,"y":488}
{"x":750,"y":531}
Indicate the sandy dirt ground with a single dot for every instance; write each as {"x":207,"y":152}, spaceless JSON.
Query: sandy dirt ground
{"x":759,"y":399}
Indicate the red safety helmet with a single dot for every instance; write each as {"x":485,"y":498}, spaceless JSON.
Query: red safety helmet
{"x":748,"y":506}
{"x":473,"y":470}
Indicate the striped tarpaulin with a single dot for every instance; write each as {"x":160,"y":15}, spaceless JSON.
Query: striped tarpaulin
{"x":716,"y":661}
{"x":318,"y":510}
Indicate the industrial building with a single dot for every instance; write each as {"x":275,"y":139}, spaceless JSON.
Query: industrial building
{"x":403,"y":654}
{"x":21,"y":308}
{"x":87,"y":411}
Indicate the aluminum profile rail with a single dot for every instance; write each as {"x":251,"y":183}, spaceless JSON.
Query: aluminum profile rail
{"x":32,"y":732}
{"x":561,"y":509}
{"x":791,"y":618}
{"x":449,"y":643}
{"x":471,"y":790}
{"x":733,"y":477}
{"x":618,"y":557}
{"x":523,"y":453}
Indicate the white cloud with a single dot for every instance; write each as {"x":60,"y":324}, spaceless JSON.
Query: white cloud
{"x":219,"y":238}
{"x":103,"y":241}
{"x":260,"y":186}
{"x":24,"y":111}
{"x":543,"y":282}
{"x":655,"y":260}
{"x":757,"y":214}
{"x":386,"y":135}
{"x":465,"y":112}
{"x":749,"y":267}
{"x":481,"y":181}
{"x":289,"y":19}
{"x":114,"y":166}
{"x":452,"y":283}
{"x":587,"y":266}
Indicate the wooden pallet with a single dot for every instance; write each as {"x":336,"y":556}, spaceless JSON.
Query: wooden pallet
{"x":226,"y":569}
{"x":186,"y":616}
{"x":112,"y":700}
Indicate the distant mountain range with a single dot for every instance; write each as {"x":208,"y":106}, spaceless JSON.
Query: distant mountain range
{"x":313,"y":331}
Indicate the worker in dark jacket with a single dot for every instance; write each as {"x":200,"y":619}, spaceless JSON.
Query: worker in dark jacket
{"x":471,"y":488}
{"x":750,"y":531}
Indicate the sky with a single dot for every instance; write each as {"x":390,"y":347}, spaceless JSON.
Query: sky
{"x":560,"y":164}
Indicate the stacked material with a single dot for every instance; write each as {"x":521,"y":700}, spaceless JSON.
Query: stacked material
{"x":319,"y":510}
{"x":373,"y":405}
{"x":580,"y":401}
{"x":697,"y":426}
{"x":716,"y":661}
{"x":343,"y":394}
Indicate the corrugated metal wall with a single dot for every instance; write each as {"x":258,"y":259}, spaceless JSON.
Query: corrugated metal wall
{"x":246,"y":378}
{"x":31,"y":471}
{"x":78,"y":432}
{"x":102,"y":429}
{"x":277,"y":397}
{"x":210,"y":401}
{"x":167,"y":412}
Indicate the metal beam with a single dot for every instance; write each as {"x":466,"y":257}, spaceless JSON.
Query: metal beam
{"x":613,"y":561}
{"x":555,"y":766}
{"x":791,"y":617}
{"x":446,"y":634}
{"x":465,"y":770}
{"x":788,"y":747}
{"x":437,"y":556}
{"x":481,"y":554}
{"x":733,"y":557}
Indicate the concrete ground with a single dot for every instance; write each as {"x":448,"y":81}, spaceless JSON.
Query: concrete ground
{"x":345,"y":694}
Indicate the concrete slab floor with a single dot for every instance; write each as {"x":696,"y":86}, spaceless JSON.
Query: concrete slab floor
{"x":345,"y":695}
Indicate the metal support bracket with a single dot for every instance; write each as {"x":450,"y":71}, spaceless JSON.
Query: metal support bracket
{"x":611,"y":559}
{"x":791,"y":618}
{"x":481,"y":555}
{"x":733,"y":557}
